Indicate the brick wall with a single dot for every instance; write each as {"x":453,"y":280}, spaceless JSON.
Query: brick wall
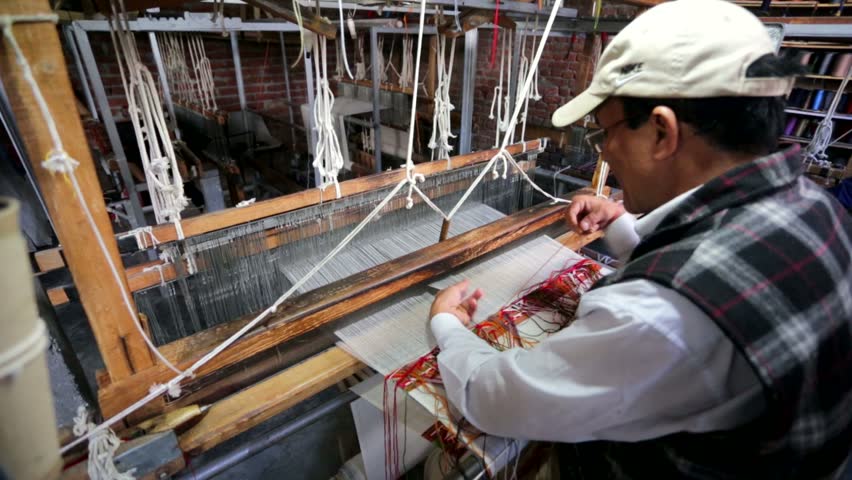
{"x":262,"y":63}
{"x":265,"y":89}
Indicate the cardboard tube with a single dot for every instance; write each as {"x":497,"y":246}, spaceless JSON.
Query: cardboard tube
{"x":29,"y":446}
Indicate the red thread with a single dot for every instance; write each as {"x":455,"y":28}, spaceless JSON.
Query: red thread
{"x":494,"y":36}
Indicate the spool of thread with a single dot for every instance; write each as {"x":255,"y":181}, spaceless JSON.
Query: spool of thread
{"x":826,"y":103}
{"x":807,"y":98}
{"x":800,"y":129}
{"x":350,"y":24}
{"x":29,"y":446}
{"x":805,"y":59}
{"x":826,"y":63}
{"x":819,"y":96}
{"x":842,"y":65}
{"x":791,"y":126}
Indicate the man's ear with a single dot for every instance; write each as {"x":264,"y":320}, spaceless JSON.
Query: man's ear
{"x":667,"y":131}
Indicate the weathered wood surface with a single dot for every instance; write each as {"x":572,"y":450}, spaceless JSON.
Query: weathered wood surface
{"x":258,"y":403}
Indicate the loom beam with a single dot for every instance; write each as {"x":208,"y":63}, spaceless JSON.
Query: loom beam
{"x":50,"y":259}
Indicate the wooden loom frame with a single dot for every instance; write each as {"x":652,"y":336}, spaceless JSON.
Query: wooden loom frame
{"x":130,"y":366}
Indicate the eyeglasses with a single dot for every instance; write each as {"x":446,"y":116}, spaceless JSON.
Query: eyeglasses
{"x":597,"y":137}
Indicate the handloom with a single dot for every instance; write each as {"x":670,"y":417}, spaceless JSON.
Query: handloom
{"x":302,"y":313}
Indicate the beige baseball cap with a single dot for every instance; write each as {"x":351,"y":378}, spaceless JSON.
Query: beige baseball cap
{"x":681,"y":49}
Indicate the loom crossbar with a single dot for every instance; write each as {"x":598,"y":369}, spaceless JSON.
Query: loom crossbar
{"x":210,"y":222}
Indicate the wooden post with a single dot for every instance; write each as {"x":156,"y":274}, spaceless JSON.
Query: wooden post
{"x":121,"y":346}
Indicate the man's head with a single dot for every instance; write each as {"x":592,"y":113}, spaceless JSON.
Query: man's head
{"x":684,"y":92}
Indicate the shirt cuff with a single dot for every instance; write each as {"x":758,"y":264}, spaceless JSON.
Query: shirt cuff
{"x":620,"y":236}
{"x":445,"y":325}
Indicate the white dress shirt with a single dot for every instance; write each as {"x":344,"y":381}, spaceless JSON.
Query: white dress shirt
{"x":640,"y":361}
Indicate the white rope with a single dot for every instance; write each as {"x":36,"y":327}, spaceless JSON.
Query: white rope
{"x":19,"y":355}
{"x":149,"y":124}
{"x":328,"y":159}
{"x":503,"y":154}
{"x":139,"y":234}
{"x":441,"y":120}
{"x":343,"y":39}
{"x":497,"y":99}
{"x":380,"y":60}
{"x":360,"y":63}
{"x":159,"y":268}
{"x":406,"y":78}
{"x":102,"y":447}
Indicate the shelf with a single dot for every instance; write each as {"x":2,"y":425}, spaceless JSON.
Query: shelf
{"x":847,"y":146}
{"x":816,"y":45}
{"x":822,"y":77}
{"x":814,"y":113}
{"x":787,"y":4}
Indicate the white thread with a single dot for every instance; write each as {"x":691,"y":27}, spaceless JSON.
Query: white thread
{"x":159,"y":268}
{"x":173,"y":390}
{"x":342,"y":39}
{"x":16,"y":357}
{"x":406,"y":78}
{"x":139,"y":235}
{"x":328,"y":159}
{"x":149,"y":124}
{"x":102,"y":448}
{"x":246,"y":203}
{"x":513,"y":121}
{"x":441,"y":120}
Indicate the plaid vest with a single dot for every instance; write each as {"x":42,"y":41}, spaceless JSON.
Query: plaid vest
{"x":767,"y":255}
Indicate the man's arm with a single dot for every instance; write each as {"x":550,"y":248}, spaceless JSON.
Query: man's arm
{"x":610,"y":375}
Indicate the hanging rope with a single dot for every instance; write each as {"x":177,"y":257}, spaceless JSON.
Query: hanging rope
{"x":328,"y":158}
{"x":102,"y":447}
{"x":406,"y":76}
{"x":149,"y":124}
{"x":441,"y":120}
{"x":360,"y":64}
{"x":342,"y":39}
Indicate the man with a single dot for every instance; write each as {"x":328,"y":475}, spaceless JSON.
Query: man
{"x":723,"y":348}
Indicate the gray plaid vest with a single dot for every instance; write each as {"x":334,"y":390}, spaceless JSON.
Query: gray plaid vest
{"x":766,"y":254}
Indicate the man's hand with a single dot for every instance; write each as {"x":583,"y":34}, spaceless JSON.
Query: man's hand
{"x":454,"y":300}
{"x":588,"y":213}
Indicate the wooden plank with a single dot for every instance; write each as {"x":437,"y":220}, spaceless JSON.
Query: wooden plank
{"x":319,"y":307}
{"x":827,"y":20}
{"x":122,"y":348}
{"x":258,"y":403}
{"x":49,"y":259}
{"x":234,"y":216}
{"x":385,"y":86}
{"x":309,"y":20}
{"x":57,"y":296}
